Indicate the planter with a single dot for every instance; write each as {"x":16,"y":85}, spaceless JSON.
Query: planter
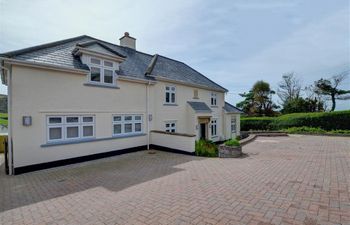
{"x":230,"y":151}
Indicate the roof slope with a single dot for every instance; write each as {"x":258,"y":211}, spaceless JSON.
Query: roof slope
{"x":231,"y":109}
{"x":136,"y":65}
{"x":200,"y":107}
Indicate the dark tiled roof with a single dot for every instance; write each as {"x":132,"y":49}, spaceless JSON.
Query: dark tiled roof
{"x":136,"y":65}
{"x":200,"y":107}
{"x":231,"y":109}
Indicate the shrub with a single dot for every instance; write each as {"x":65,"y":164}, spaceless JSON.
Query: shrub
{"x":339,"y":120}
{"x":313,"y":130}
{"x":206,"y":148}
{"x":256,"y":123}
{"x":232,"y":142}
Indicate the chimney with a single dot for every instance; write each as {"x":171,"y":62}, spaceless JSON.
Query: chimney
{"x":128,"y":41}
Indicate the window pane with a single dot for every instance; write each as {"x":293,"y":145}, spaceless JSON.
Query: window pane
{"x":167,"y":97}
{"x":117,"y":118}
{"x":167,"y":88}
{"x":88,"y":119}
{"x":128,"y":118}
{"x":173,"y":130}
{"x":117,"y":128}
{"x":95,"y":74}
{"x":109,"y":64}
{"x":137,"y":127}
{"x":95,"y":61}
{"x":128,"y":128}
{"x":54,"y":120}
{"x":72,"y":132}
{"x":137,"y":117}
{"x":167,"y":125}
{"x":108,"y":76}
{"x":72,"y":119}
{"x":173,"y":88}
{"x":55,"y":133}
{"x":173,"y":97}
{"x":88,"y":131}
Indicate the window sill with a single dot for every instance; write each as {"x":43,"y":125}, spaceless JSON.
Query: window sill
{"x":102,"y":85}
{"x":86,"y":140}
{"x":170,"y":104}
{"x":214,"y":106}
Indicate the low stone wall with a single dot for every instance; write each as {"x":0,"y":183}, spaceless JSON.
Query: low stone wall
{"x":229,"y":151}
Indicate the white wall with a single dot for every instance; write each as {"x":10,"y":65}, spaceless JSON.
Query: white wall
{"x":183,"y":143}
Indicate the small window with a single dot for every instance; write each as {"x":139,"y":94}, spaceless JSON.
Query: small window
{"x":88,"y":119}
{"x":95,"y":74}
{"x":195,"y":94}
{"x":170,"y":127}
{"x":170,"y":94}
{"x":213,"y":99}
{"x":214,"y":127}
{"x":72,"y":119}
{"x":95,"y":61}
{"x":55,"y":120}
{"x":108,"y":64}
{"x":233,"y":124}
{"x":108,"y":76}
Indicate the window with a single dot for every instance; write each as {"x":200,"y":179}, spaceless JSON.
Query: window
{"x":170,"y":94}
{"x":101,"y":71}
{"x":214,"y":127}
{"x":195,"y":94}
{"x":233,"y":124}
{"x":170,"y":126}
{"x":213,"y":99}
{"x":127,"y":124}
{"x":65,"y":128}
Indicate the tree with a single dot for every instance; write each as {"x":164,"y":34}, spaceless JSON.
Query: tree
{"x":258,"y":101}
{"x":289,"y":88}
{"x":329,"y":87}
{"x":302,"y":105}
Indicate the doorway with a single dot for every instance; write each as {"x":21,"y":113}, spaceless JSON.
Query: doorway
{"x":202,"y":131}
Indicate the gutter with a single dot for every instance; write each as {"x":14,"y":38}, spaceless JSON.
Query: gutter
{"x":147,"y":114}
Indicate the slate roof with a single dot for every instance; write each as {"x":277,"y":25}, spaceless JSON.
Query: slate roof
{"x":136,"y":65}
{"x":231,"y":109}
{"x":200,"y":107}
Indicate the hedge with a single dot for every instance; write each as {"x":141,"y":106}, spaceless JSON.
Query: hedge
{"x":339,"y":120}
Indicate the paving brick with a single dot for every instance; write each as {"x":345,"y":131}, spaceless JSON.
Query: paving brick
{"x":283,"y":180}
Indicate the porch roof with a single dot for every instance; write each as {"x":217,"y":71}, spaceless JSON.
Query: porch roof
{"x":200,"y":107}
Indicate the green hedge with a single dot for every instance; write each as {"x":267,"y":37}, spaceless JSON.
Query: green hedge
{"x":339,"y":120}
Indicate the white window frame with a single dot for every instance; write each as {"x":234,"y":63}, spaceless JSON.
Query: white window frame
{"x":172,"y":90}
{"x":214,"y":127}
{"x":172,"y":126}
{"x":102,"y":67}
{"x":233,"y":124}
{"x":64,"y":125}
{"x":122,"y":123}
{"x":213,"y":99}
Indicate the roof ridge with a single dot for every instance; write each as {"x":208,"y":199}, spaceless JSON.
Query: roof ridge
{"x":46,"y":45}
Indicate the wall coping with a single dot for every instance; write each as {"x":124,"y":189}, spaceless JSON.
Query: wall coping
{"x":170,"y":133}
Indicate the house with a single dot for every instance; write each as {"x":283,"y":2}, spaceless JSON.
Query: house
{"x":84,"y":98}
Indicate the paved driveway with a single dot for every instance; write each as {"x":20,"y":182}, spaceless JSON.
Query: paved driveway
{"x":284,"y":180}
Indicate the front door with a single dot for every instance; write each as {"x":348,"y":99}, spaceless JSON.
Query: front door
{"x":202,"y":131}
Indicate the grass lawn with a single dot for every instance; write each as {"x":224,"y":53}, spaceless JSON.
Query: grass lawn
{"x":3,"y":118}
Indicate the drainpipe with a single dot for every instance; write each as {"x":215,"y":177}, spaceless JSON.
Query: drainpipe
{"x":9,"y":126}
{"x":147,"y":114}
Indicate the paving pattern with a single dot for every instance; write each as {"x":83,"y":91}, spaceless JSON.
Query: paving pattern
{"x":283,"y":180}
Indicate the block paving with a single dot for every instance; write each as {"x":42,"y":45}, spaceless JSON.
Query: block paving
{"x":283,"y":180}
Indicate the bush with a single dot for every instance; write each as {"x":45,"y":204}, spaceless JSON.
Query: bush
{"x":232,"y":142}
{"x":339,"y":120}
{"x":206,"y":148}
{"x":313,"y":130}
{"x":256,"y":123}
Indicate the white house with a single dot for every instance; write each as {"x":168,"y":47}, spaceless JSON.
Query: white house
{"x":84,"y":98}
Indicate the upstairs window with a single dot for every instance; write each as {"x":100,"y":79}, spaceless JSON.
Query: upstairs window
{"x":101,"y":71}
{"x":170,"y":92}
{"x":195,"y":94}
{"x":213,"y":99}
{"x":170,"y":127}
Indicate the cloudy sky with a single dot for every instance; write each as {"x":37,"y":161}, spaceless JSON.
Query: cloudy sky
{"x":233,"y":42}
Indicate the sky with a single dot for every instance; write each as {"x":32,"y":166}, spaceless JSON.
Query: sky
{"x":234,"y":43}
